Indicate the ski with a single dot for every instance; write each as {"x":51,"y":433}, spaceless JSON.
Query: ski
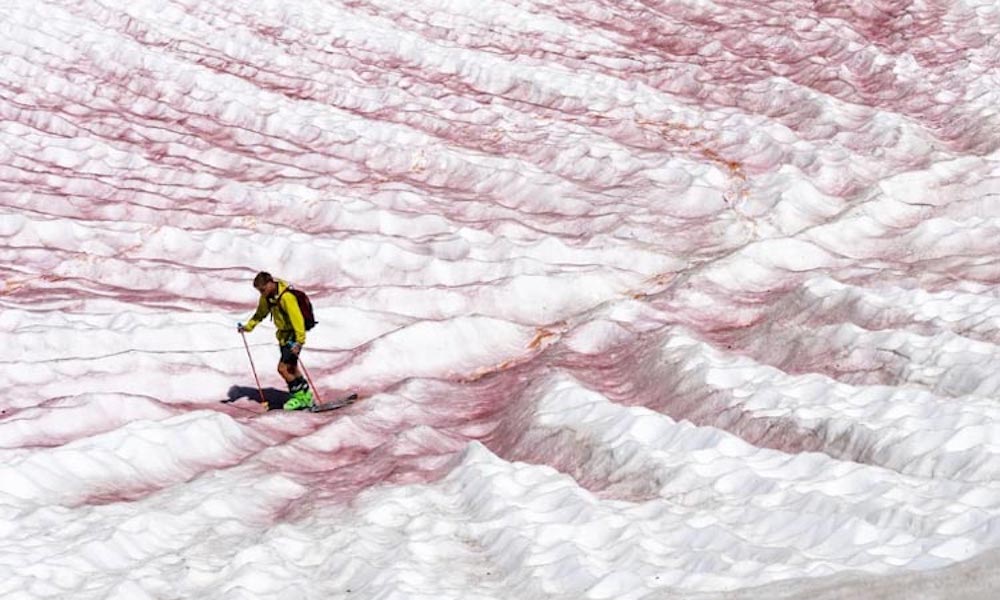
{"x":341,"y":403}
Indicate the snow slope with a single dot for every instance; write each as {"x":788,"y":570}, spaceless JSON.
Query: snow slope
{"x":645,"y":299}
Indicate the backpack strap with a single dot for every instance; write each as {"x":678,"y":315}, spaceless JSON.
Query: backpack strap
{"x":277,"y":301}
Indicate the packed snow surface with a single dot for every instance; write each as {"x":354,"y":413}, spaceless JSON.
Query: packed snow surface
{"x":649,"y":299}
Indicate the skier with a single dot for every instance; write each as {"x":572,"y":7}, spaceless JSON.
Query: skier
{"x":289,"y":320}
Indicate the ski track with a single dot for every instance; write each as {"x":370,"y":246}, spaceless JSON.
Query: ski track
{"x":643,"y":299}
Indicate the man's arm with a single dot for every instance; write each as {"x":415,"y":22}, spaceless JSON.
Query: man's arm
{"x":291,"y":307}
{"x":262,"y":310}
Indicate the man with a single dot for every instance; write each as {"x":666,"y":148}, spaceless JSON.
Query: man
{"x":288,"y":319}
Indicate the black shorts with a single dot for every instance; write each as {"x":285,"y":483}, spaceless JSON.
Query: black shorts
{"x":288,"y":357}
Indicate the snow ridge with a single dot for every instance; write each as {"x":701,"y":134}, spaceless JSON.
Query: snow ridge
{"x":643,"y":300}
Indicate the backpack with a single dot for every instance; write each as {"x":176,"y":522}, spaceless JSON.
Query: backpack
{"x":304,"y":305}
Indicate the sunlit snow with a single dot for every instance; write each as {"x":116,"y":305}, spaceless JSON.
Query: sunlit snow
{"x":643,"y":299}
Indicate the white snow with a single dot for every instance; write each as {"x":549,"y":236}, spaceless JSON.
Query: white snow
{"x":664,"y":300}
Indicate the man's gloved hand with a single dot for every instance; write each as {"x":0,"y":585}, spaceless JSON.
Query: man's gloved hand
{"x":240,"y":328}
{"x":295,"y":347}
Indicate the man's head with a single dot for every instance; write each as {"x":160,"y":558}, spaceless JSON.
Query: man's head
{"x":265,"y":284}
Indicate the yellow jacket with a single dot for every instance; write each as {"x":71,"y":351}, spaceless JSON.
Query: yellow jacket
{"x":285,"y":311}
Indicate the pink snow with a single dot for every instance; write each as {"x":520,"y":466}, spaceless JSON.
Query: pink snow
{"x":642,"y":299}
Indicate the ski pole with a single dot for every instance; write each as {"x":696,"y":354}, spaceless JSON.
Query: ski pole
{"x":309,"y":379}
{"x":253,"y":368}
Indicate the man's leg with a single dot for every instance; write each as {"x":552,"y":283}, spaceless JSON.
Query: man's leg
{"x":298,"y":387}
{"x":288,"y":372}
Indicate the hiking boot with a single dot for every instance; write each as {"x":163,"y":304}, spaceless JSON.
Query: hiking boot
{"x":299,"y":400}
